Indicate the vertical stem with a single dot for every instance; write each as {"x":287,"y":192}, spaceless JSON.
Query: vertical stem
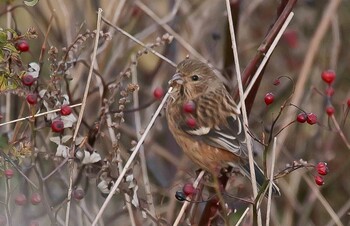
{"x":7,"y":204}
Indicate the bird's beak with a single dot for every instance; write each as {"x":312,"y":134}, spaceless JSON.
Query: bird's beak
{"x":177,"y":78}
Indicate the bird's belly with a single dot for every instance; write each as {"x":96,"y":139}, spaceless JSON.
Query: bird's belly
{"x":208,"y":157}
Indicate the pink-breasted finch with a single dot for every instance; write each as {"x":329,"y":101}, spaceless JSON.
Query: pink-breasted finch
{"x":206,"y":123}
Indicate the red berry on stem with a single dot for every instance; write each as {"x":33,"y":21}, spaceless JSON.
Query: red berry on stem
{"x":35,"y":199}
{"x":158,"y":93}
{"x":311,"y":118}
{"x":9,"y":173}
{"x":302,"y":117}
{"x":57,"y":126}
{"x":188,"y":189}
{"x":32,"y":98}
{"x":319,"y":180}
{"x":189,"y":107}
{"x":329,"y":91}
{"x":78,"y":194}
{"x":269,"y":98}
{"x":20,"y":199}
{"x":191,"y":122}
{"x":330,"y":110}
{"x":28,"y":80}
{"x":22,"y":46}
{"x":66,"y":110}
{"x":322,"y":168}
{"x":328,"y":76}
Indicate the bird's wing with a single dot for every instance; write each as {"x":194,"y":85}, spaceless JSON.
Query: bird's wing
{"x":228,"y":136}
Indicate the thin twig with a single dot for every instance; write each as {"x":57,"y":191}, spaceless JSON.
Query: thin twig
{"x":340,"y":132}
{"x":242,"y":217}
{"x":324,"y":202}
{"x":37,"y":115}
{"x":119,"y":165}
{"x":185,"y":205}
{"x":7,"y":158}
{"x":266,"y":57}
{"x":268,"y":211}
{"x":139,"y":42}
{"x":244,"y":111}
{"x":166,"y":27}
{"x":131,"y":158}
{"x":143,"y":162}
{"x":81,"y":113}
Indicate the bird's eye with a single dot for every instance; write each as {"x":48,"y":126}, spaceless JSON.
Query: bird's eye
{"x":194,"y":77}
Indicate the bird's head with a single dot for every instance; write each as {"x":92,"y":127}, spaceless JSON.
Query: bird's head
{"x":193,"y":78}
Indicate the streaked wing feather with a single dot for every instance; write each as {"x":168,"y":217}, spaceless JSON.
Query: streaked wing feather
{"x":228,"y":136}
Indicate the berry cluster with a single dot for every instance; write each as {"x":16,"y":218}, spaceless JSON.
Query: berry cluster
{"x":329,"y":77}
{"x":57,"y":125}
{"x":322,"y":170}
{"x":310,"y":118}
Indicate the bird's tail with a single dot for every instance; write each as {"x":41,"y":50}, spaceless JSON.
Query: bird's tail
{"x":260,"y":178}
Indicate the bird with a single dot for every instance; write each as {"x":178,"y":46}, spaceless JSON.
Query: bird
{"x":206,"y":122}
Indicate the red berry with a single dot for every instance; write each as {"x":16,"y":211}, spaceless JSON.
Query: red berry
{"x":32,"y":99}
{"x":21,"y":199}
{"x":9,"y":173}
{"x":269,"y":98}
{"x":328,"y":76}
{"x":291,"y":37}
{"x":311,"y":118}
{"x":188,"y":189}
{"x":189,"y":107}
{"x":28,"y":80}
{"x":319,"y":180}
{"x":22,"y":46}
{"x":57,"y":126}
{"x":330,"y":110}
{"x":66,"y":110}
{"x":78,"y":194}
{"x":191,"y":122}
{"x":36,"y":199}
{"x":322,"y":168}
{"x":302,"y":117}
{"x":348,"y":103}
{"x":276,"y":82}
{"x":158,"y":93}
